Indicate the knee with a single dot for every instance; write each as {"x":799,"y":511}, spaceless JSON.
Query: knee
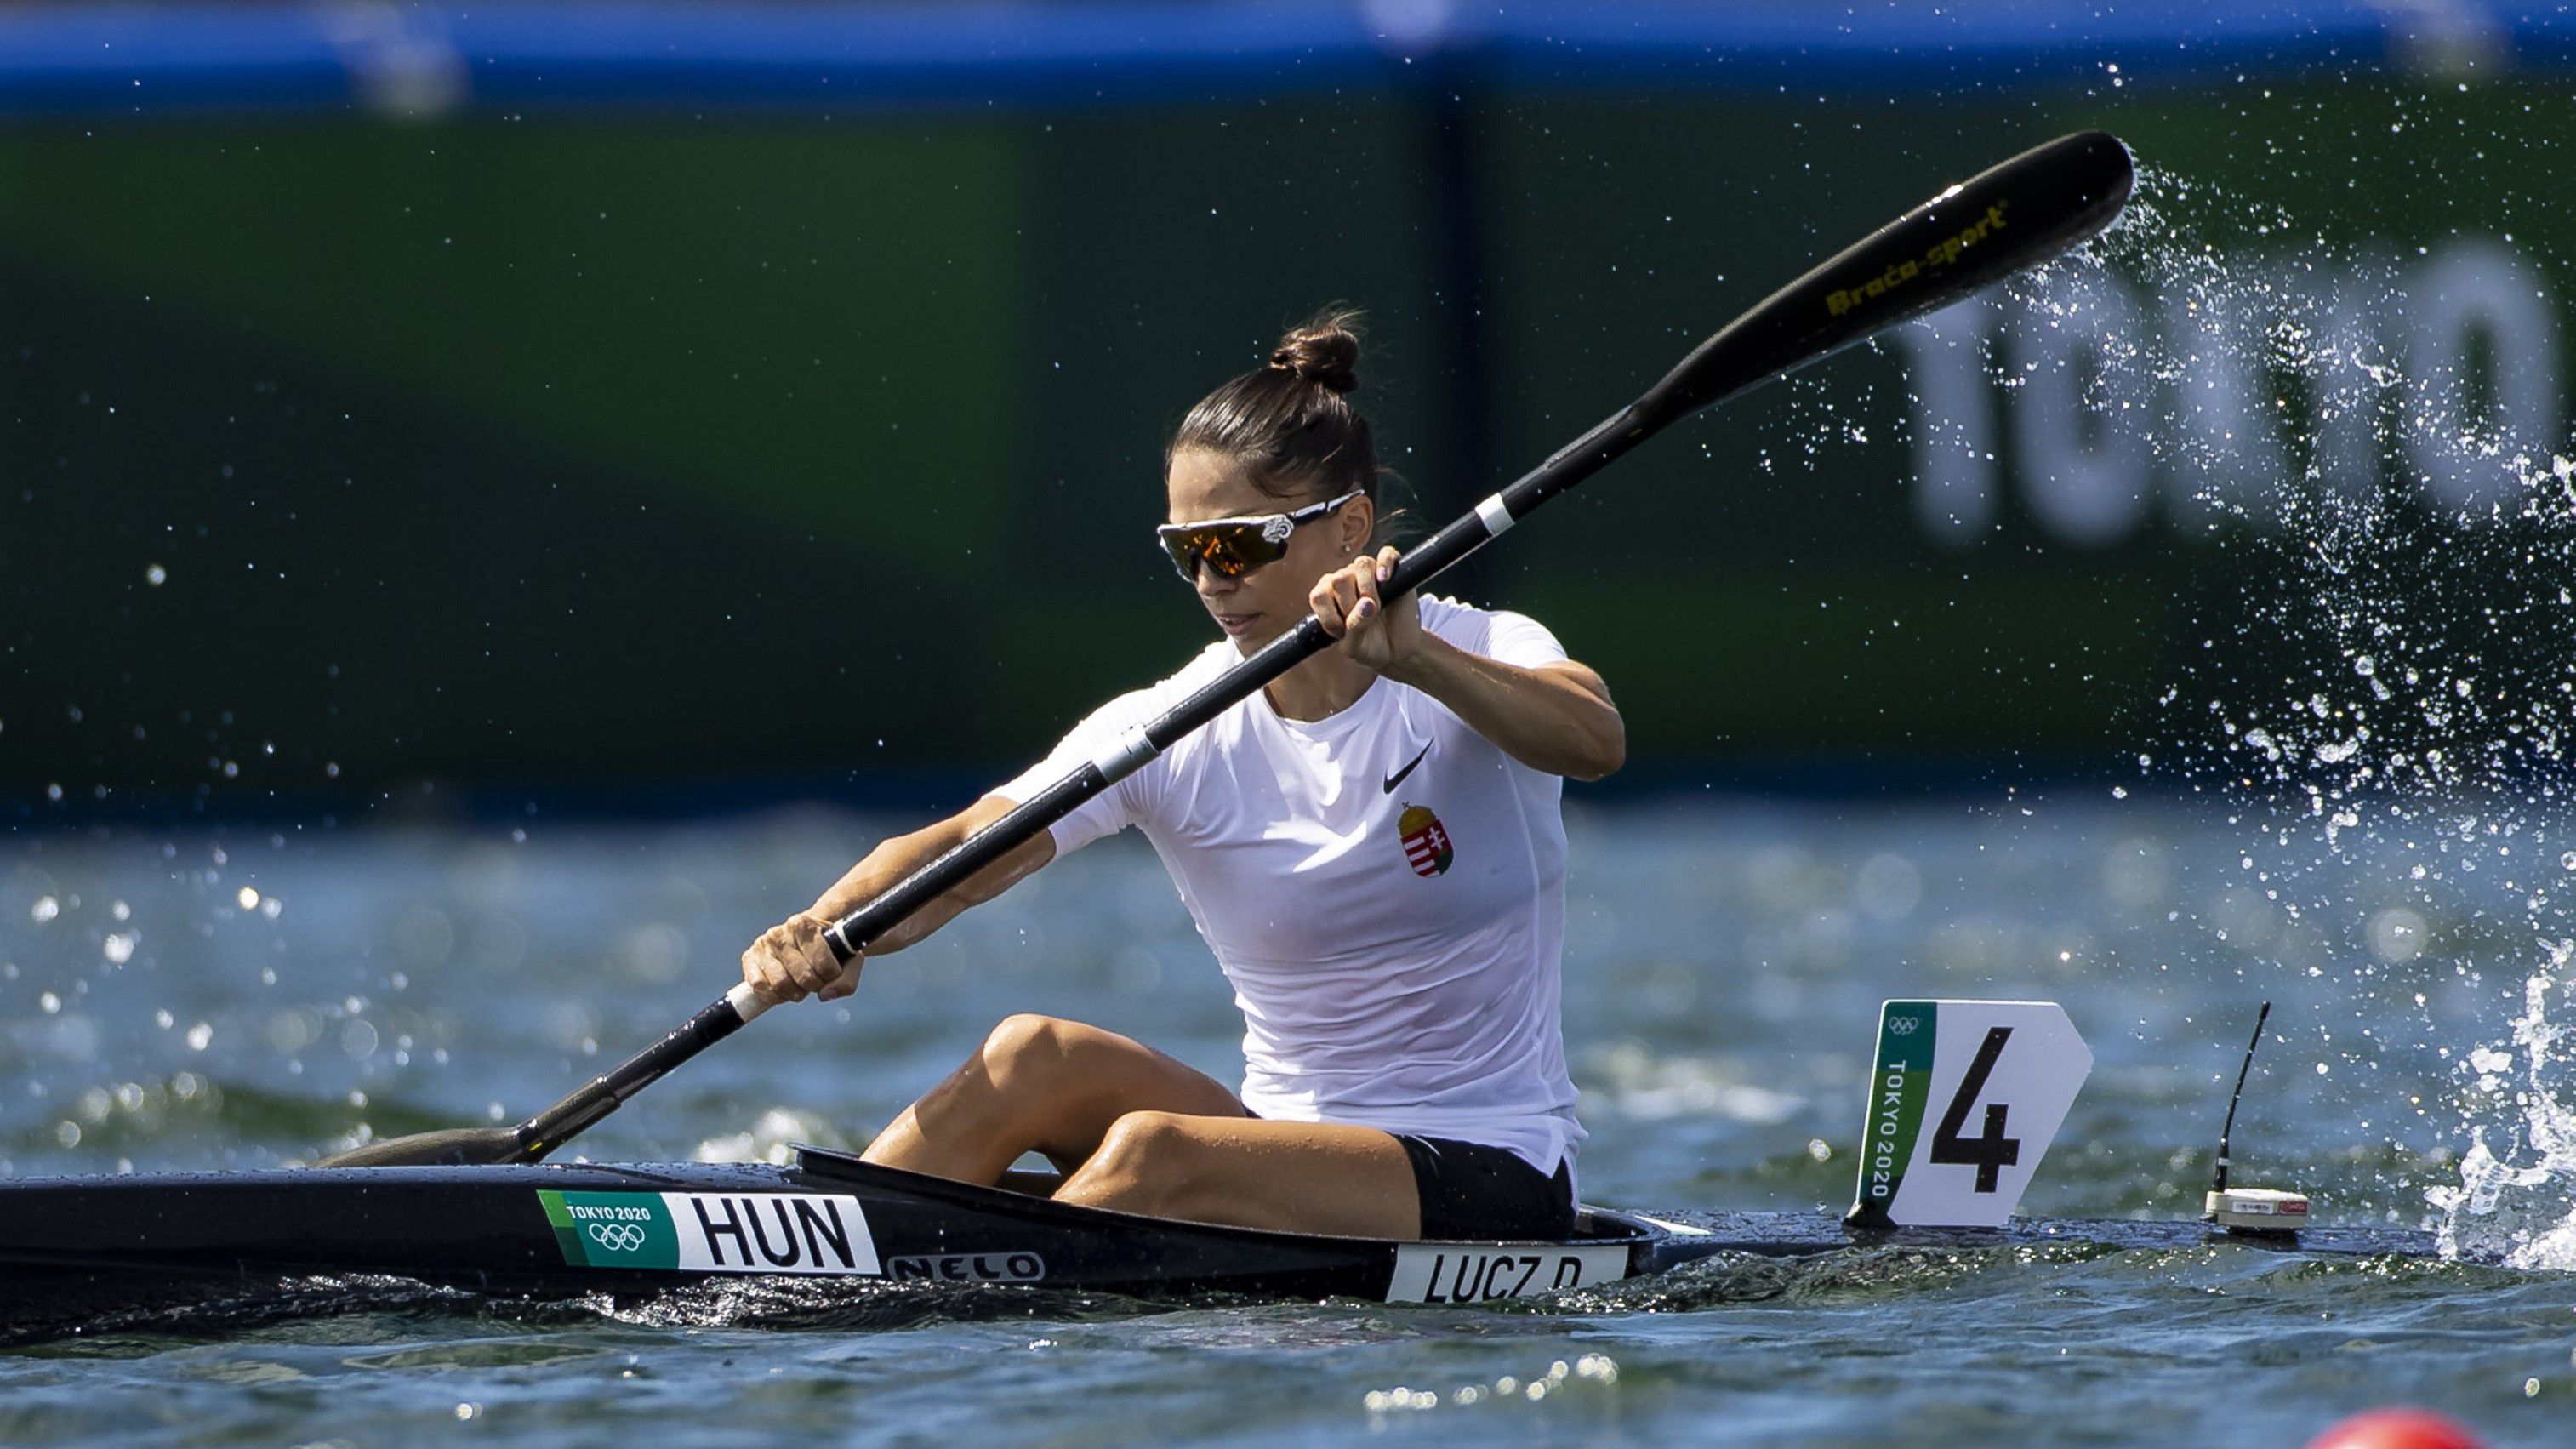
{"x":1147,"y":1139}
{"x":1023,"y":1034}
{"x":1144,"y":1162}
{"x":1017,"y":1061}
{"x":1026,"y":1045}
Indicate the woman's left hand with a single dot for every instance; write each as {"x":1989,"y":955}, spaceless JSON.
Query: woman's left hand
{"x":1374,"y":633}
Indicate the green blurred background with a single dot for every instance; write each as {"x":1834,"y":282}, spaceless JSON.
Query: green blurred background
{"x":346,"y":451}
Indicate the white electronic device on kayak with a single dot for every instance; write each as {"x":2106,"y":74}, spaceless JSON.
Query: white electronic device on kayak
{"x":2250,"y":1209}
{"x":2256,"y":1209}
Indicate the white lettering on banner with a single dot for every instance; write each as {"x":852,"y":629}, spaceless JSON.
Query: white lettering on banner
{"x":2346,"y":369}
{"x":2222,"y":404}
{"x":2114,"y":402}
{"x":1465,"y":1273}
{"x":2474,"y":287}
{"x":2076,"y":423}
{"x":771,"y":1232}
{"x":1954,"y":445}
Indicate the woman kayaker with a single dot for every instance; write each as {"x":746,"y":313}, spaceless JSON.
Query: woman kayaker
{"x":1372,"y":847}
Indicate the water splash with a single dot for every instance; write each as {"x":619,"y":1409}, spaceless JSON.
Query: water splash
{"x":2519,"y":1207}
{"x":2389,"y":720}
{"x":774,"y":1137}
{"x":2383,"y":688}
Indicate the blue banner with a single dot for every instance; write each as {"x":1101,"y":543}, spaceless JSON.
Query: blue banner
{"x":163,"y":60}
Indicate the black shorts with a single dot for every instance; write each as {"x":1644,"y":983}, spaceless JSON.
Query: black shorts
{"x":1472,"y":1191}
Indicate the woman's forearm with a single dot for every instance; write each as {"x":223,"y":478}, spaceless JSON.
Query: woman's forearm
{"x":899,"y":856}
{"x":1556,"y":717}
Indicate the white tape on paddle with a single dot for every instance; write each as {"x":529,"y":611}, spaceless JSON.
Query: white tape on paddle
{"x":1121,"y":756}
{"x":746,"y":1002}
{"x":1495,"y":515}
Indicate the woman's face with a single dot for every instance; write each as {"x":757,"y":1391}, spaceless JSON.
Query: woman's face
{"x":1270,"y":600}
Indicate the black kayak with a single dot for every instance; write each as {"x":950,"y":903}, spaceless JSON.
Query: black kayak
{"x":80,"y":1253}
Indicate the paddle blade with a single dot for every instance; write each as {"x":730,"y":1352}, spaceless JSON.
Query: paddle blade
{"x":453,"y":1147}
{"x":2007,"y":218}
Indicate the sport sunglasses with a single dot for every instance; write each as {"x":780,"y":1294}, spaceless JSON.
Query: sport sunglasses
{"x":1236,"y":546}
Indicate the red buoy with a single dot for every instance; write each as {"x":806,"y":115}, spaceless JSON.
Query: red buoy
{"x":2397,"y":1429}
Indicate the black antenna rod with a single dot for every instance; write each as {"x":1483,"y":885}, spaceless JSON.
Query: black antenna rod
{"x":2230,"y":1129}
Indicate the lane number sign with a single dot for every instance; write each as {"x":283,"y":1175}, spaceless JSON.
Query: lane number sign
{"x":1964,"y":1098}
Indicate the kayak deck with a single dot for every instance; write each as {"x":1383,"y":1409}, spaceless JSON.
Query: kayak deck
{"x":639,"y":1228}
{"x":79,"y":1252}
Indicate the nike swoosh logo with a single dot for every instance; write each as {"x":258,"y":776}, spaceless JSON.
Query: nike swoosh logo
{"x":1398,"y":777}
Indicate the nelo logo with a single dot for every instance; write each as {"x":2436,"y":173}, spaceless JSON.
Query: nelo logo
{"x":967,"y":1268}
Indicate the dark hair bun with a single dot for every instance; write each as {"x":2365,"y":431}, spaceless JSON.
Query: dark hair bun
{"x":1290,"y":422}
{"x":1325,"y":351}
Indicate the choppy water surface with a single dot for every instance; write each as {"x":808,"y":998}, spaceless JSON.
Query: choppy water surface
{"x":243,"y":998}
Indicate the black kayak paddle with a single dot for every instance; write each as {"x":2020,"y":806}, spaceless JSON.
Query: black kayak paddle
{"x":2007,"y":219}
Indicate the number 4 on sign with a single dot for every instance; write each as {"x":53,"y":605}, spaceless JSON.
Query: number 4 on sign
{"x":1992,"y":1152}
{"x":2010,"y":1067}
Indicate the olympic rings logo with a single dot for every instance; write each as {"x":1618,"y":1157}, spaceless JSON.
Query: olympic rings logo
{"x":617,"y":1237}
{"x":1903,"y":1025}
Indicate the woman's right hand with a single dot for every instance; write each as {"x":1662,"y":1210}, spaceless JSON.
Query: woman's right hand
{"x":791,"y":961}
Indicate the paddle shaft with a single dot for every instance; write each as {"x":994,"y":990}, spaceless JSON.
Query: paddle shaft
{"x":2011,"y":217}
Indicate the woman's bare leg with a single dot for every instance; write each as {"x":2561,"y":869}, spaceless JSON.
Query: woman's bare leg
{"x":1307,"y":1177}
{"x":1040,"y":1084}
